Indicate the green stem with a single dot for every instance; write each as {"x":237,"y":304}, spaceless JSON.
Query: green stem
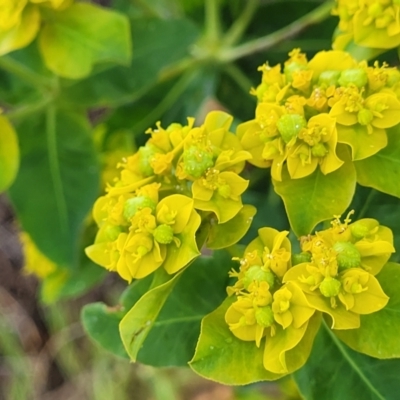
{"x":51,"y":133}
{"x":236,"y":31}
{"x":239,"y":78}
{"x":14,"y":67}
{"x":264,"y":43}
{"x":351,"y":362}
{"x":29,"y":109}
{"x":367,"y":203}
{"x":165,"y":104}
{"x":212,"y":20}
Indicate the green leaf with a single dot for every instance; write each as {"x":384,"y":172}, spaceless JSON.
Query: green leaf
{"x":137,"y":323}
{"x":72,"y":41}
{"x":222,"y":357}
{"x":201,"y":288}
{"x":378,"y":334}
{"x":382,"y":171}
{"x":175,"y":324}
{"x":57,"y":182}
{"x":120,"y":85}
{"x":334,"y":372}
{"x":101,"y":324}
{"x":317,"y":197}
{"x":9,"y":154}
{"x":229,"y":233}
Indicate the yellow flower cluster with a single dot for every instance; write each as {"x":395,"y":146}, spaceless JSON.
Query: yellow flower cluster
{"x":20,"y":21}
{"x":369,"y":23}
{"x":308,"y":108}
{"x":334,"y":274}
{"x":150,"y":217}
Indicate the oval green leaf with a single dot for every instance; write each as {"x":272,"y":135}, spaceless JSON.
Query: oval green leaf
{"x":317,"y":197}
{"x":73,"y":40}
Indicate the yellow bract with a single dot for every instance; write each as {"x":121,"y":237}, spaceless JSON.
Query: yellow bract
{"x":20,"y":21}
{"x":369,"y":23}
{"x":308,"y":107}
{"x":339,"y":280}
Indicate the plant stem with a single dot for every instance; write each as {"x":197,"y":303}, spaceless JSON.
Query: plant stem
{"x":239,"y":78}
{"x":367,"y":203}
{"x":165,"y":104}
{"x":236,"y":31}
{"x":212,"y":21}
{"x":28,"y":109}
{"x":14,"y":67}
{"x":268,"y":41}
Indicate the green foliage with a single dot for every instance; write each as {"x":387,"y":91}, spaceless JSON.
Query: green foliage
{"x":81,"y":84}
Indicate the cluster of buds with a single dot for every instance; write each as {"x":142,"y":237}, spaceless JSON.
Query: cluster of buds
{"x":310,"y":111}
{"x":264,"y":306}
{"x":369,"y":23}
{"x":277,"y":295}
{"x":183,"y":175}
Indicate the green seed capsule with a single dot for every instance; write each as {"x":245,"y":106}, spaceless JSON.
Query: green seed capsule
{"x":290,"y":125}
{"x":146,"y":153}
{"x":319,"y":150}
{"x":328,"y":78}
{"x":163,"y":234}
{"x":264,"y":316}
{"x":302,"y":257}
{"x":330,"y":287}
{"x":133,"y":205}
{"x":258,"y":274}
{"x":359,"y":230}
{"x":196,"y":161}
{"x":355,"y":76}
{"x":348,"y":256}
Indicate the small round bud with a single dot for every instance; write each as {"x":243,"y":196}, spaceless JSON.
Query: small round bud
{"x":258,"y":274}
{"x":330,"y":287}
{"x":112,"y":232}
{"x":348,"y":256}
{"x":355,"y":76}
{"x":329,"y":78}
{"x":292,"y":67}
{"x":146,"y":153}
{"x":359,"y":230}
{"x":224,"y":191}
{"x":290,"y":125}
{"x":135,"y":204}
{"x":302,"y":257}
{"x":163,"y":234}
{"x":365,"y":117}
{"x":196,"y":161}
{"x":264,"y":316}
{"x":319,"y":150}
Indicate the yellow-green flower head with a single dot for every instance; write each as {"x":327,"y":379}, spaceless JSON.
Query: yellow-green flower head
{"x":314,"y":105}
{"x":339,"y":279}
{"x":20,"y":21}
{"x":369,"y":23}
{"x":163,"y":235}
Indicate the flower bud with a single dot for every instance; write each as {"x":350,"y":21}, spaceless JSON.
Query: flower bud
{"x":289,"y":126}
{"x":348,"y":256}
{"x":163,"y":234}
{"x":354,"y":76}
{"x":365,"y":116}
{"x":319,"y":150}
{"x":258,"y":274}
{"x":112,"y":232}
{"x":146,"y":153}
{"x":359,"y":230}
{"x":330,"y":287}
{"x":264,"y":316}
{"x":133,"y":205}
{"x":328,"y":78}
{"x":196,"y":161}
{"x":224,"y":191}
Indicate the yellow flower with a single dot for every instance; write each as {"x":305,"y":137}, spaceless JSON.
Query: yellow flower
{"x":339,"y":279}
{"x":162,"y":235}
{"x":20,"y":21}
